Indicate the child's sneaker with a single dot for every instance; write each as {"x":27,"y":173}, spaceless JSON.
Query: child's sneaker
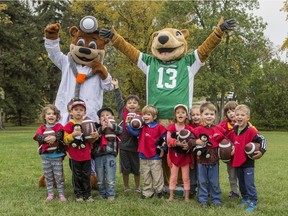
{"x":233,"y":195}
{"x":90,"y":199}
{"x":62,"y":198}
{"x":50,"y":197}
{"x":244,"y":203}
{"x":111,"y":198}
{"x":252,"y":206}
{"x":79,"y":199}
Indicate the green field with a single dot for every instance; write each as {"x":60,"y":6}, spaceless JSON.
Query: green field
{"x":20,"y":169}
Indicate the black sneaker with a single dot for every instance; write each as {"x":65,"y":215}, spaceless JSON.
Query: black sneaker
{"x":234,"y":195}
{"x":159,"y":195}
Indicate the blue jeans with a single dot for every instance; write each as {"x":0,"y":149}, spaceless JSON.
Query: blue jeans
{"x":208,"y":183}
{"x":246,"y":184}
{"x":106,"y":173}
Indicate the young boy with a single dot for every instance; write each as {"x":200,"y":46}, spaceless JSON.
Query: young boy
{"x":208,"y":167}
{"x":80,"y":157}
{"x":129,"y":160}
{"x":150,"y":161}
{"x":106,"y":152}
{"x":227,"y":124}
{"x":242,"y":134}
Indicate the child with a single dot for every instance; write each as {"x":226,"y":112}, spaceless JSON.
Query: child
{"x":242,"y":134}
{"x":52,"y":151}
{"x":129,"y":160}
{"x":177,"y":159}
{"x":105,"y":154}
{"x":227,"y":124}
{"x":195,"y":121}
{"x":150,"y":160}
{"x":208,"y":167}
{"x":80,"y":157}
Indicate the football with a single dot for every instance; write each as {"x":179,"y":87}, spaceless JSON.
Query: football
{"x":137,"y":122}
{"x":50,"y":132}
{"x":108,"y":132}
{"x":184,"y":134}
{"x":250,"y":148}
{"x":224,"y":150}
{"x":88,"y":127}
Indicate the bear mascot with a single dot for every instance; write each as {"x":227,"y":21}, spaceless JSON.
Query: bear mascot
{"x":170,"y":70}
{"x":83,"y":74}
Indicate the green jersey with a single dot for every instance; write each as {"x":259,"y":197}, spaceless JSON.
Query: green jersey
{"x":169,"y":83}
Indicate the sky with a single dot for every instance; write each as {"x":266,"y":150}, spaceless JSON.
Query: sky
{"x":277,"y":28}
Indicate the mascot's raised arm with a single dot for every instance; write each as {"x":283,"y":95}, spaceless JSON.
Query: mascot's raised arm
{"x":83,"y":73}
{"x":170,"y":70}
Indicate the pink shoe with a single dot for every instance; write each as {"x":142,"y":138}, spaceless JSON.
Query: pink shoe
{"x":62,"y":198}
{"x":50,"y":197}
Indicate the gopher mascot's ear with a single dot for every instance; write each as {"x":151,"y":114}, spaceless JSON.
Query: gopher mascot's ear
{"x":73,"y":31}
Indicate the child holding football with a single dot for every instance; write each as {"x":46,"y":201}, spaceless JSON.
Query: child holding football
{"x":105,"y":153}
{"x":179,"y":158}
{"x":51,"y":150}
{"x":150,"y":159}
{"x":208,"y":167}
{"x":129,"y":160}
{"x":79,"y":151}
{"x":242,"y":134}
{"x":227,"y":124}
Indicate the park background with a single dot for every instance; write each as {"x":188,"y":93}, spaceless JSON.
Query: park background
{"x":245,"y":63}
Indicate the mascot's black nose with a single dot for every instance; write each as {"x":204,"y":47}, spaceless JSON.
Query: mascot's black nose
{"x":85,"y":51}
{"x":163,"y":39}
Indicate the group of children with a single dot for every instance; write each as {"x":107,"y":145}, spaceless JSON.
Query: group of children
{"x":141,"y":151}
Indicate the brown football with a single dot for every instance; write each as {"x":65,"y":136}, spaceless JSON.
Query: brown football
{"x":50,"y":132}
{"x":250,"y":149}
{"x":88,"y":127}
{"x":137,"y":122}
{"x":108,"y":132}
{"x":224,"y":150}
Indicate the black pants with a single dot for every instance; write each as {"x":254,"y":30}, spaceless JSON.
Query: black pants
{"x":81,"y":171}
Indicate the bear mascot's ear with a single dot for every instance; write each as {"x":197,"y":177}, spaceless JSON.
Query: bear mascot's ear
{"x":73,"y":31}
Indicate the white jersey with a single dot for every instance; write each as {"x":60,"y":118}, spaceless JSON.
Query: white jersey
{"x":91,"y":91}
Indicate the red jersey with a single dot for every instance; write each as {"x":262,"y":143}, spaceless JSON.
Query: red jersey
{"x":148,"y":139}
{"x":178,"y":158}
{"x":82,"y":154}
{"x":41,"y":130}
{"x":240,"y":141}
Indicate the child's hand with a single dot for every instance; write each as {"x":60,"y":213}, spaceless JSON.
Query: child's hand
{"x":95,"y":135}
{"x":50,"y":139}
{"x":114,"y":82}
{"x":233,"y":150}
{"x":258,"y":154}
{"x":200,"y":142}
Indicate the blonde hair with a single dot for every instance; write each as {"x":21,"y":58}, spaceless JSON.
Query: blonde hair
{"x":150,"y":109}
{"x":209,"y":106}
{"x":52,"y":107}
{"x":243,"y":108}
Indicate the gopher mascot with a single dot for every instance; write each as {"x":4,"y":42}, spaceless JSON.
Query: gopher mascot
{"x":83,"y":75}
{"x":170,"y":70}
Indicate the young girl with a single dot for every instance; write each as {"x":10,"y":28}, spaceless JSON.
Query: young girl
{"x":177,"y":159}
{"x":51,"y":149}
{"x":195,"y":116}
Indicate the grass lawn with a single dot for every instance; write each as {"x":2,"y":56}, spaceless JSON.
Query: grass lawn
{"x":20,"y":168}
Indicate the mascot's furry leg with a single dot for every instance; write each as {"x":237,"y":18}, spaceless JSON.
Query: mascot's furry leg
{"x":42,"y":181}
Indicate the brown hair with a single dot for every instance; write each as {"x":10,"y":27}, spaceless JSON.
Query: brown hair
{"x":130,"y":97}
{"x":207,"y":105}
{"x":52,"y":107}
{"x":150,"y":109}
{"x":231,"y":105}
